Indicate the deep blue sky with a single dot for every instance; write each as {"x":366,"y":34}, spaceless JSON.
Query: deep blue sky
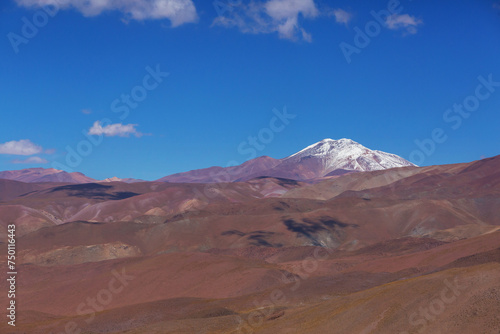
{"x":224,"y":82}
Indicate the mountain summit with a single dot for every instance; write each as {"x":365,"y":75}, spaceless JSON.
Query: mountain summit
{"x":325,"y":158}
{"x":330,"y":156}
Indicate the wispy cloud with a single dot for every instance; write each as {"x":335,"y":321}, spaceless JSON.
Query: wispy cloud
{"x":30,"y":160}
{"x":113,"y":130}
{"x":273,"y":16}
{"x":20,"y":147}
{"x":404,"y":22}
{"x":177,"y":11}
{"x":341,"y":16}
{"x":86,"y":111}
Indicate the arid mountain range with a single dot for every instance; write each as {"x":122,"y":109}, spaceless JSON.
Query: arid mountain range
{"x":333,"y":239}
{"x":325,"y":158}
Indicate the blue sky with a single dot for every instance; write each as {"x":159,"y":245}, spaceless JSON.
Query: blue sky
{"x":386,"y":83}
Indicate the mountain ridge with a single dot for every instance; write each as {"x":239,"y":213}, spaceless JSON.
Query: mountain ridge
{"x":326,"y":158}
{"x":315,"y":161}
{"x":36,"y":175}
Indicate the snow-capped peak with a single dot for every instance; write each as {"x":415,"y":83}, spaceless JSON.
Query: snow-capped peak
{"x":112,"y":179}
{"x":346,"y":154}
{"x":325,"y":146}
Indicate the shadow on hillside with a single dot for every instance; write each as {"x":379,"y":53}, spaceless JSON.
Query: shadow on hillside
{"x":94,"y":191}
{"x":310,"y":228}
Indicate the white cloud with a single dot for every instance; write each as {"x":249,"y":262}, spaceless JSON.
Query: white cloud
{"x":405,"y":21}
{"x":112,"y":130}
{"x":30,"y":160}
{"x":272,"y":16}
{"x":285,"y":9}
{"x":306,"y":36}
{"x":177,"y":11}
{"x":341,"y":16}
{"x":20,"y":147}
{"x":86,"y":111}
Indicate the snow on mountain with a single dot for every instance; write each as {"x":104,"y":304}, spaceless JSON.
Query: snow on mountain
{"x":325,"y":158}
{"x":117,"y":179}
{"x":112,"y":179}
{"x":346,"y":154}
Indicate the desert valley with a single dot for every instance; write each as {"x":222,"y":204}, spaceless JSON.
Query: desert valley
{"x":336,"y":238}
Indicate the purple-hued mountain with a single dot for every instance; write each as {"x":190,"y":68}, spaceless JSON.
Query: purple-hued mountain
{"x":34,"y":175}
{"x":220,"y":174}
{"x":325,"y":158}
{"x":43,"y":175}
